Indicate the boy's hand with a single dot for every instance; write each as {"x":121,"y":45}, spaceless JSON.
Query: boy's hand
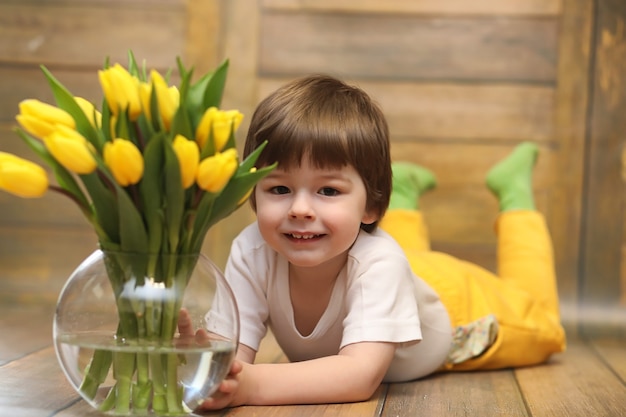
{"x":226,"y":394}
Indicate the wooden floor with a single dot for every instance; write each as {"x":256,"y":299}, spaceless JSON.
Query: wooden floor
{"x":589,"y":379}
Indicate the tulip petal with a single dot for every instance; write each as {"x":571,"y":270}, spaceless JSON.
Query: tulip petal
{"x":124,"y":160}
{"x":21,"y":177}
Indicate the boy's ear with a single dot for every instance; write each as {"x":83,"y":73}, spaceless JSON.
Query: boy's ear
{"x":369,"y":217}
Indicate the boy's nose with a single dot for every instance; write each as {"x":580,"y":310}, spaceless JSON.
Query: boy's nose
{"x":301,"y":207}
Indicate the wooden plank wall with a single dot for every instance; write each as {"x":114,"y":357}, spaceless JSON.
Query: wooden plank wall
{"x":603,"y":275}
{"x":461,"y":83}
{"x":43,"y":240}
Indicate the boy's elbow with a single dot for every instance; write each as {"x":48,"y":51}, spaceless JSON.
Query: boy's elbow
{"x":367,"y":388}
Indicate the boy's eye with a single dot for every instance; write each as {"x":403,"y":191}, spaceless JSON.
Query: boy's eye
{"x":329,"y":192}
{"x":279,"y":189}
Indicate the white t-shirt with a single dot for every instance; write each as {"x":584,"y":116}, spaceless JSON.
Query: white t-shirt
{"x":376,"y":298}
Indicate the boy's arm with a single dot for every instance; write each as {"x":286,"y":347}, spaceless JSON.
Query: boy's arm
{"x":352,"y":375}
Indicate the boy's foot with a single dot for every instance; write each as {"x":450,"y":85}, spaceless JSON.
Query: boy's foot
{"x":510,"y":180}
{"x":410,"y":181}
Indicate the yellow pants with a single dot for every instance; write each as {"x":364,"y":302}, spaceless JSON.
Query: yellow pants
{"x":523,"y":297}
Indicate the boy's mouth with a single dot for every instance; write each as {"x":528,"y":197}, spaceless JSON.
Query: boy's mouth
{"x":299,"y":236}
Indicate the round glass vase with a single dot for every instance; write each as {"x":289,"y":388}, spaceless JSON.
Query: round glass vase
{"x":146,"y":334}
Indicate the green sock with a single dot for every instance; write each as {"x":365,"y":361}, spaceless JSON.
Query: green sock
{"x":410,"y":181}
{"x":510,"y":180}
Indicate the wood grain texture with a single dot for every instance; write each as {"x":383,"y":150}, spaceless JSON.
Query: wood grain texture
{"x":477,"y":7}
{"x":238,"y":34}
{"x":46,"y":390}
{"x":587,"y":380}
{"x":612,"y":351}
{"x":24,"y":340}
{"x":565,"y":387}
{"x":65,"y":34}
{"x":20,"y":83}
{"x":460,"y":394}
{"x":36,"y":262}
{"x":571,"y":106}
{"x":455,"y":111}
{"x":604,"y":199}
{"x":406,"y":47}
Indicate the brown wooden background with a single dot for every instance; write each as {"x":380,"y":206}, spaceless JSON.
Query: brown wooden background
{"x":461,"y":82}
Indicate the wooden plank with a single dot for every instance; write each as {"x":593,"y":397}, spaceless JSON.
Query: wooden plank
{"x":60,"y":210}
{"x":117,"y":3}
{"x":494,"y":112}
{"x":613,"y":353}
{"x":409,"y":47}
{"x":457,"y":394}
{"x":573,"y":383}
{"x":35,"y":263}
{"x":34,"y":385}
{"x":30,"y":82}
{"x":571,"y":105}
{"x":238,"y":40}
{"x":367,"y":408}
{"x":26,"y":329}
{"x":203,"y":44}
{"x":461,"y":187}
{"x":62,"y":34}
{"x":455,"y":7}
{"x":603,"y":229}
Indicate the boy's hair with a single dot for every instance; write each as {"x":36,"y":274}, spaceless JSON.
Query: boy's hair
{"x":334,"y":125}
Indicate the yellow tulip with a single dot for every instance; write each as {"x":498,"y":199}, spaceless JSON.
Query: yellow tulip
{"x":215,"y":171}
{"x":39,"y":118}
{"x":188,"y":158}
{"x":220,"y":122}
{"x":121,"y":90}
{"x":71,"y":150}
{"x":168,"y":98}
{"x":21,"y":177}
{"x":93,"y":115}
{"x":124,"y":160}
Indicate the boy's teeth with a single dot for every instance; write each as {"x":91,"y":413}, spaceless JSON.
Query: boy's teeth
{"x":297,"y":236}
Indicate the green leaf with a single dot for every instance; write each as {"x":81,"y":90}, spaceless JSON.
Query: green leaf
{"x":133,"y":236}
{"x":150,"y":189}
{"x":133,"y":68}
{"x":207,"y":92}
{"x":174,"y":195}
{"x":65,"y":100}
{"x":106,"y":122}
{"x":217,"y":207}
{"x":182,"y":123}
{"x":249,"y":162}
{"x":104,"y":205}
{"x":229,"y":199}
{"x":215,"y":88}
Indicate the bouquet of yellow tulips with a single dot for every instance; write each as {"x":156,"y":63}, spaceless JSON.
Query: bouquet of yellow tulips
{"x":151,"y":171}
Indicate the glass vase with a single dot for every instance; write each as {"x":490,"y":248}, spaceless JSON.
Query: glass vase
{"x":146,"y":334}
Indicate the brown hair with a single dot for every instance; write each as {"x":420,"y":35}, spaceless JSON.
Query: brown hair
{"x":334,"y":125}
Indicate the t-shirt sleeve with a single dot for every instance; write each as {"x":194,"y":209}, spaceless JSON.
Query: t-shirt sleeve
{"x":380,"y":297}
{"x":247,"y":272}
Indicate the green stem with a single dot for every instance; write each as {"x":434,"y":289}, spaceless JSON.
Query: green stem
{"x":159,"y":400}
{"x":174,"y":401}
{"x":124,"y":365}
{"x":96,"y":372}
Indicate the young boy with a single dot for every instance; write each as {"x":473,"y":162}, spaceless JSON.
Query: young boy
{"x":338,"y":292}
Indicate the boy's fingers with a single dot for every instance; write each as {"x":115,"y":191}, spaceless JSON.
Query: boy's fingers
{"x":185,"y":327}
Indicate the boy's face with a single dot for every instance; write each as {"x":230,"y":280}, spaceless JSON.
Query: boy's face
{"x":309,"y":215}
